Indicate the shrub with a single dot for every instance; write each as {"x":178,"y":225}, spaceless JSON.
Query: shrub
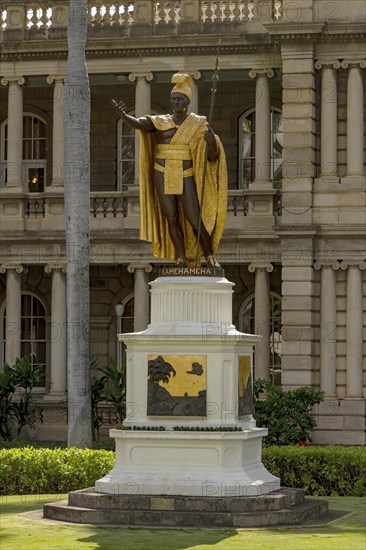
{"x":320,"y":471}
{"x":14,"y":415}
{"x":110,"y":388}
{"x":286,"y":414}
{"x":31,"y":470}
{"x":324,"y":471}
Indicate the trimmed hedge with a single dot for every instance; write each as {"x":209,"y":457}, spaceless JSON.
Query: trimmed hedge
{"x":324,"y":471}
{"x":41,"y":471}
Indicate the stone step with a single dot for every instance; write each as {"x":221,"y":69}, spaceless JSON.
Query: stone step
{"x":295,"y":514}
{"x":277,"y":500}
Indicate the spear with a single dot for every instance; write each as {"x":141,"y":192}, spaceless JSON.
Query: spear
{"x":214,"y":85}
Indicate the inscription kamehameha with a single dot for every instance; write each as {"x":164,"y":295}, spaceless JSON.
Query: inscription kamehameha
{"x":191,"y":271}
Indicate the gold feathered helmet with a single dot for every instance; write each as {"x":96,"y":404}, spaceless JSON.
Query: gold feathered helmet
{"x":182,"y":84}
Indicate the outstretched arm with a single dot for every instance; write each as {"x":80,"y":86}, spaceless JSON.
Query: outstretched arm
{"x":141,"y":123}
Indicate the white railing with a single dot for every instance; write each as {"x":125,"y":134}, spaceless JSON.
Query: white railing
{"x":43,"y":15}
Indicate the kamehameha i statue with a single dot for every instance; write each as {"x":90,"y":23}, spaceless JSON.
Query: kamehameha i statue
{"x":172,"y":172}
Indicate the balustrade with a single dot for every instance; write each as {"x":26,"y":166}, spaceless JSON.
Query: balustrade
{"x":44,"y":15}
{"x":111,"y":205}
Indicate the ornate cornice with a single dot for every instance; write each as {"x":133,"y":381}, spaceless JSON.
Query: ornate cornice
{"x":126,"y":51}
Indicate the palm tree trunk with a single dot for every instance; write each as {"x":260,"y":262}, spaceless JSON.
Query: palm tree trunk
{"x":77,"y":183}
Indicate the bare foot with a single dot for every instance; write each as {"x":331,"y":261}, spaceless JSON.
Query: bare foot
{"x":212,"y":262}
{"x":181,"y":262}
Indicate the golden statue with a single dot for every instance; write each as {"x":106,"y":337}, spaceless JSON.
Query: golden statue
{"x":173,"y":169}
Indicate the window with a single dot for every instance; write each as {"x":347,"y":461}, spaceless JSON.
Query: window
{"x":34,"y":153}
{"x":33,"y":334}
{"x":126,"y":156}
{"x":247,"y":148}
{"x":247,"y":324}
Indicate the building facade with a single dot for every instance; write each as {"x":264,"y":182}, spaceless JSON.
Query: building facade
{"x":290,"y":111}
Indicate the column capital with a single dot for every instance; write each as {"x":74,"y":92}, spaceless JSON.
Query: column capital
{"x":196,"y":75}
{"x":327,"y":63}
{"x":360,"y":264}
{"x":16,"y":267}
{"x":20,"y":80}
{"x":353,"y":63}
{"x":52,"y":267}
{"x":55,"y":78}
{"x":318,"y":265}
{"x":131,"y":268}
{"x":255,"y":266}
{"x":148,"y":75}
{"x":261,"y":71}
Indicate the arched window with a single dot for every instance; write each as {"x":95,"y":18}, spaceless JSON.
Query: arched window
{"x":247,"y":324}
{"x":34,"y":153}
{"x":33,"y":333}
{"x":126,"y":155}
{"x":247,"y":151}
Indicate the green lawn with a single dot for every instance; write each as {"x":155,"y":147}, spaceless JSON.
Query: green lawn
{"x":21,"y":531}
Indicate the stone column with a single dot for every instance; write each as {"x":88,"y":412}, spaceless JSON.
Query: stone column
{"x":13,"y":304}
{"x":328,"y":125}
{"x":193,"y":106}
{"x":58,"y":133}
{"x":355,"y":117}
{"x":328,"y":328}
{"x":262,"y":125}
{"x":262,"y":319}
{"x":58,"y":382}
{"x":354,"y":329}
{"x":141,"y":295}
{"x":15,"y":132}
{"x":142,"y":107}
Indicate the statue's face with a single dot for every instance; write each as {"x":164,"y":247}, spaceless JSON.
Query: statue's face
{"x":179,"y":102}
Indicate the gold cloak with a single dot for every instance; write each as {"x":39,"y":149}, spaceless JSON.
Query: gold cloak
{"x":153,"y":224}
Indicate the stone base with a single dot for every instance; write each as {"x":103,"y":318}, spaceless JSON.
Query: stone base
{"x":283,"y":507}
{"x":208,"y":464}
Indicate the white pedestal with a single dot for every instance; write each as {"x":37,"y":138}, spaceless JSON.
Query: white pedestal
{"x":191,"y":330}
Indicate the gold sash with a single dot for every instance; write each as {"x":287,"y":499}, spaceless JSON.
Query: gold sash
{"x":174,"y":154}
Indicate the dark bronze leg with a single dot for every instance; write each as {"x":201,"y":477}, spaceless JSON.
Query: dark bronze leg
{"x":169,"y":206}
{"x":191,"y":209}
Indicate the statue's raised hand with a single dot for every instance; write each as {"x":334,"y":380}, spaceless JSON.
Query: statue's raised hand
{"x":120,"y":107}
